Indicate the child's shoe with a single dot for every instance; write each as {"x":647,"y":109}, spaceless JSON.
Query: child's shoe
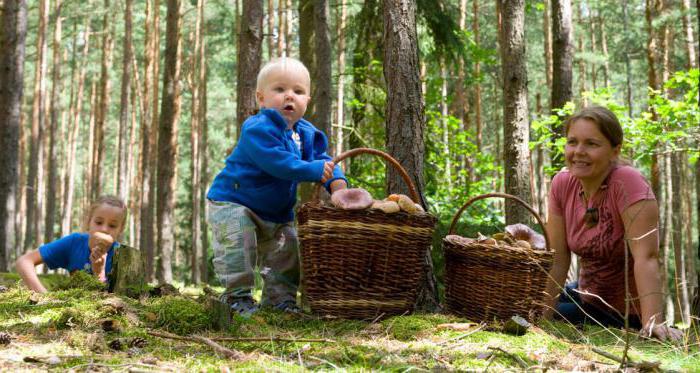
{"x":288,"y":306}
{"x":244,"y":306}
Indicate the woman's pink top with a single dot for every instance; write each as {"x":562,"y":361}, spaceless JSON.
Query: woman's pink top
{"x":601,"y":248}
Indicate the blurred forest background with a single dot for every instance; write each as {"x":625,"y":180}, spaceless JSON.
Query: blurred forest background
{"x":144,"y":99}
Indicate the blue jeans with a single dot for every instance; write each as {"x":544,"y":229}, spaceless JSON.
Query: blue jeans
{"x":571,"y":308}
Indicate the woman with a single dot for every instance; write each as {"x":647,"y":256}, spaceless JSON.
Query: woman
{"x":597,"y":207}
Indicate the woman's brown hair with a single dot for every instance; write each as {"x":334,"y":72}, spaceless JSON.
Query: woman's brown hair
{"x":604,"y":119}
{"x":109,"y":200}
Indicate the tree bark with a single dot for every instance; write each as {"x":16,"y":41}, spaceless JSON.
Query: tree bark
{"x":652,"y":10}
{"x":562,"y":55}
{"x":323,"y":78}
{"x":405,"y":117}
{"x":340,"y":97}
{"x":681,"y":277}
{"x":604,"y":47}
{"x":249,"y":56}
{"x":103,"y":106}
{"x":548,"y":52}
{"x":628,"y":67}
{"x":688,"y":33}
{"x":308,"y":58}
{"x":167,"y":144}
{"x":195,"y":147}
{"x":13,"y":31}
{"x":581,"y":62}
{"x":52,"y":183}
{"x":270,"y":28}
{"x":562,"y":65}
{"x":515,"y":110}
{"x":477,"y":84}
{"x":203,"y":175}
{"x":282,"y":27}
{"x":122,"y":184}
{"x":148,"y":129}
{"x":74,"y":132}
{"x":36,"y":143}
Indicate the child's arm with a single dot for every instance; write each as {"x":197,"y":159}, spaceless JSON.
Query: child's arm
{"x":25,"y":267}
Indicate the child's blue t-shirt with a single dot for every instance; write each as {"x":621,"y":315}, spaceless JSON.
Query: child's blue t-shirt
{"x":72,"y":253}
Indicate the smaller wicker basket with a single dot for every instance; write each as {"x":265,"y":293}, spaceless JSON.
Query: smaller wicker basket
{"x":362,"y":264}
{"x":485,"y":282}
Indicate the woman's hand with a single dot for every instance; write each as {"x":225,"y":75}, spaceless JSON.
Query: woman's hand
{"x":663,"y":332}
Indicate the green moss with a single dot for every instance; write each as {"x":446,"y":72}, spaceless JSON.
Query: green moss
{"x":180,"y":315}
{"x":405,"y":328}
{"x":80,"y":280}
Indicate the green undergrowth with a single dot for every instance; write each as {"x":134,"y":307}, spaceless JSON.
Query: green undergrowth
{"x":90,"y":329}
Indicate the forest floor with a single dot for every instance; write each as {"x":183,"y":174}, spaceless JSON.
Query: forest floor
{"x":85,"y":330}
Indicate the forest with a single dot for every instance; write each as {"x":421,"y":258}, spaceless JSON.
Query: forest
{"x":145,"y":100}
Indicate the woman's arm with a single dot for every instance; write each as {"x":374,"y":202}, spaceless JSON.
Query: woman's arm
{"x":556,"y":229}
{"x":25,"y":267}
{"x":641,"y":222}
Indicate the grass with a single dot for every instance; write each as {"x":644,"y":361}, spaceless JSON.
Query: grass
{"x":63,"y":329}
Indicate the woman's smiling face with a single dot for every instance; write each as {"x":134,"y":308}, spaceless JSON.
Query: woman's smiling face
{"x":588,"y":152}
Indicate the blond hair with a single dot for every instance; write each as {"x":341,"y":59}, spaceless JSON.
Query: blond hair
{"x":109,"y":200}
{"x":281,"y":63}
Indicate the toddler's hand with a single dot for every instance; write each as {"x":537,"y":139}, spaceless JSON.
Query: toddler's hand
{"x":327,"y":171}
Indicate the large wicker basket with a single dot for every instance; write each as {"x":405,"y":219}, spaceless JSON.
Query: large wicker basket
{"x":362,"y":264}
{"x":486,"y":282}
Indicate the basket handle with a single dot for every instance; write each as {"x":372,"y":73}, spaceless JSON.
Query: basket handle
{"x":387,"y":157}
{"x":505,"y":196}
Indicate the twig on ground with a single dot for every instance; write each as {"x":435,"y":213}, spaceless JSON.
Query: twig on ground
{"x":464,"y":335}
{"x":231,"y":354}
{"x":270,"y":339}
{"x":517,"y":358}
{"x":112,"y":366}
{"x":627,"y":362}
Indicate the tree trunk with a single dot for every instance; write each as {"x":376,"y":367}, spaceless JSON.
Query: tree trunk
{"x":13,"y":31}
{"x":562,"y":55}
{"x":340,"y":116}
{"x":628,"y":67}
{"x":445,"y":127}
{"x":686,"y":191}
{"x":405,"y":118}
{"x":604,"y":46}
{"x":460,"y":100}
{"x":651,"y":12}
{"x":677,"y":234}
{"x":270,"y":28}
{"x":167,"y":144}
{"x":288,"y":28}
{"x":548,"y":52}
{"x":87,"y":182}
{"x":249,"y":56}
{"x":52,"y":184}
{"x":36,"y":144}
{"x":195,"y":147}
{"x":688,"y":32}
{"x":74,"y":132}
{"x":581,"y":62}
{"x":594,"y":49}
{"x":515,"y":112}
{"x":123,"y":184}
{"x":148,"y":130}
{"x":103,"y":106}
{"x":562,"y":61}
{"x":477,"y":85}
{"x":203,"y":175}
{"x":308,"y":58}
{"x":282,"y":28}
{"x":323,"y":78}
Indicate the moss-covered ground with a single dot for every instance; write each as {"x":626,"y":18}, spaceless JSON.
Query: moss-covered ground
{"x":85,"y":329}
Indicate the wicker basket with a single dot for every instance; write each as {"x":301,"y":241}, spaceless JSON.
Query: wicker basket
{"x":485,"y":282}
{"x":362,"y":264}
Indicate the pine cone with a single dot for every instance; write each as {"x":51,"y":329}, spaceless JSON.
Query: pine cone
{"x":5,"y":338}
{"x":138,"y":342}
{"x":116,"y":345}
